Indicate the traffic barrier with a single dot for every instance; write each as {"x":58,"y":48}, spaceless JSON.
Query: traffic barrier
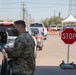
{"x":59,"y":33}
{"x":52,"y":31}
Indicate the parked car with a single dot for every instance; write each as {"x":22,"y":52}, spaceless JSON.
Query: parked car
{"x":48,"y":27}
{"x":69,"y":26}
{"x":42,"y":28}
{"x":30,"y":32}
{"x":38,"y":35}
{"x":53,"y":27}
{"x":59,"y":27}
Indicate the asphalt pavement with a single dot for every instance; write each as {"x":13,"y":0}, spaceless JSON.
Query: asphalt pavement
{"x":53,"y":70}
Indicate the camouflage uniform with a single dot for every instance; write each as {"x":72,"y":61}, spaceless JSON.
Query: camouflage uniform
{"x":23,"y":55}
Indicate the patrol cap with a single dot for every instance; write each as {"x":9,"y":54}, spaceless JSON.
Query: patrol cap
{"x":20,"y":22}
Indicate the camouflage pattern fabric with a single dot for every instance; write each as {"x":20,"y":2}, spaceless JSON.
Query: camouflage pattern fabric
{"x":23,"y":55}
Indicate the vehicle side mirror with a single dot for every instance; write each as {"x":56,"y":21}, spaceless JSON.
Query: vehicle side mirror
{"x":3,"y":37}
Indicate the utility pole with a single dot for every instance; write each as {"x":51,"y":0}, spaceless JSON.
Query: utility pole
{"x":23,"y":9}
{"x":26,"y":16}
{"x":54,"y":16}
{"x":30,"y":18}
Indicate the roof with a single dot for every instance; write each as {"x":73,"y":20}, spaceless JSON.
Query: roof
{"x":70,"y":19}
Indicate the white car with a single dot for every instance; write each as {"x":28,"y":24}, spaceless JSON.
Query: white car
{"x":41,"y":27}
{"x":54,"y":27}
{"x":6,"y":27}
{"x":38,"y":36}
{"x":30,"y":32}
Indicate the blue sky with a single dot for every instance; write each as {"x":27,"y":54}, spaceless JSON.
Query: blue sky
{"x":39,"y":9}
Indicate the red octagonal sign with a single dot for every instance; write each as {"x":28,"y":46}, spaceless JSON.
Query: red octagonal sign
{"x":68,"y":36}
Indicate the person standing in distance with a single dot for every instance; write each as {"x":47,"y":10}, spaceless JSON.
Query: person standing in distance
{"x":23,"y":52}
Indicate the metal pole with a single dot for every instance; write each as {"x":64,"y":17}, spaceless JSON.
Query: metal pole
{"x":54,"y":16}
{"x":23,"y":9}
{"x":68,"y":54}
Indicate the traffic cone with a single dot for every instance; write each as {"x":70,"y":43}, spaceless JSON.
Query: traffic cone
{"x":60,"y":33}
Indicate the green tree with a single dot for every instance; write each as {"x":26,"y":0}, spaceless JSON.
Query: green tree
{"x":45,"y":21}
{"x":53,"y":20}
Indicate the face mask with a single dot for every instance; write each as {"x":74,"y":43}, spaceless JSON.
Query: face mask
{"x":15,"y":32}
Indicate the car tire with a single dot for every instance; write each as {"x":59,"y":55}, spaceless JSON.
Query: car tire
{"x":40,"y":48}
{"x":45,"y":39}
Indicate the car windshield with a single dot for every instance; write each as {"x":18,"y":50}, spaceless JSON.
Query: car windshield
{"x":5,"y":27}
{"x":9,"y":31}
{"x":35,"y":31}
{"x":36,"y":25}
{"x":11,"y":40}
{"x":53,"y":26}
{"x":59,"y":26}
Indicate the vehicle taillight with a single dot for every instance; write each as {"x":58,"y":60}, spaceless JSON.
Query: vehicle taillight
{"x":37,"y":37}
{"x":7,"y":24}
{"x":43,"y":29}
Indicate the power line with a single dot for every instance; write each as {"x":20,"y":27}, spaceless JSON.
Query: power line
{"x":32,"y":3}
{"x":34,"y":7}
{"x":10,"y":3}
{"x":45,"y":3}
{"x":10,"y":8}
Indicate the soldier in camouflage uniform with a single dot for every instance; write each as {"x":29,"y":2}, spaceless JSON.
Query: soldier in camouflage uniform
{"x":23,"y":53}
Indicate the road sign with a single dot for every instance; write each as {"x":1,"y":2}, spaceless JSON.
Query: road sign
{"x":68,"y":36}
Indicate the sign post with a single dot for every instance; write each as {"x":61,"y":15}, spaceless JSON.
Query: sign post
{"x":69,"y":37}
{"x":68,"y":53}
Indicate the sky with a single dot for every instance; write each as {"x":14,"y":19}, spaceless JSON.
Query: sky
{"x":38,"y":9}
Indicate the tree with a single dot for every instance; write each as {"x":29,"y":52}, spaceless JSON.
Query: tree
{"x":45,"y":21}
{"x":52,"y":20}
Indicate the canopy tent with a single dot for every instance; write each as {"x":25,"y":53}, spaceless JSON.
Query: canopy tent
{"x":69,"y":19}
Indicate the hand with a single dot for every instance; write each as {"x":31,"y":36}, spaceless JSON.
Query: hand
{"x":8,"y":48}
{"x":4,"y":54}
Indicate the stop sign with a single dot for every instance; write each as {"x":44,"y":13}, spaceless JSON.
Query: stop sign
{"x":68,"y":36}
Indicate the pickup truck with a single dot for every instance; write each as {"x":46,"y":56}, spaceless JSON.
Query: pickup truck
{"x":41,"y":27}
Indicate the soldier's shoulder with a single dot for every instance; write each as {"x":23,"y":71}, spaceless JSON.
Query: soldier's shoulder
{"x":22,"y":37}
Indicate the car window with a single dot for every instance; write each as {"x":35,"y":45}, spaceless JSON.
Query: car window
{"x":11,"y":40}
{"x":53,"y":26}
{"x":36,"y":25}
{"x":35,"y":31}
{"x":5,"y":27}
{"x":10,"y":32}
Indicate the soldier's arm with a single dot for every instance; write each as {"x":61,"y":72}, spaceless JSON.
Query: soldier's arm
{"x":15,"y":52}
